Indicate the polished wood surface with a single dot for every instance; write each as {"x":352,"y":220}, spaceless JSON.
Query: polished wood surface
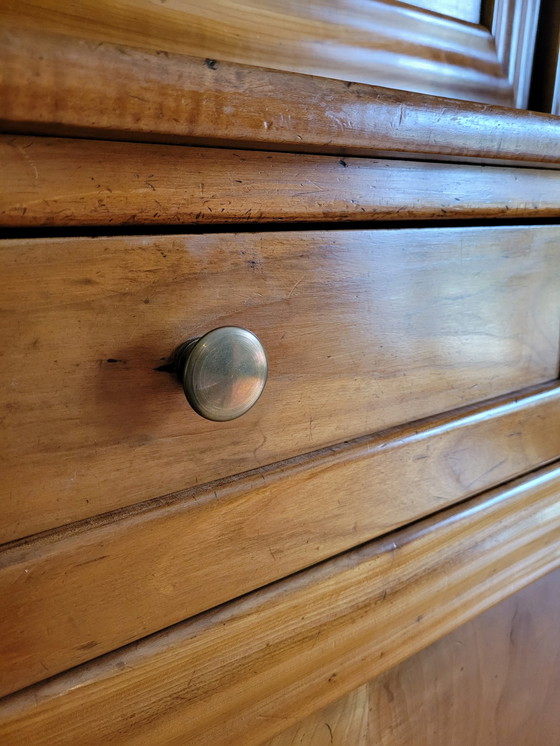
{"x":170,"y":580}
{"x":492,"y":682}
{"x":122,"y":576}
{"x":79,"y":87}
{"x":252,"y":668}
{"x":364,"y":330}
{"x":66,"y":182}
{"x":380,"y":42}
{"x":343,"y":723}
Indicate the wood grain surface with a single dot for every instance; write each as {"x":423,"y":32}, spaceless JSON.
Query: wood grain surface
{"x":380,"y":42}
{"x":494,"y":681}
{"x":122,"y":576}
{"x":80,"y":87}
{"x":363,"y":329}
{"x":343,"y":723}
{"x":252,"y":668}
{"x":64,"y":182}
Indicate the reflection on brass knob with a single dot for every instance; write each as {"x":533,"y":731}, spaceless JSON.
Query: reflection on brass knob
{"x":223,"y":372}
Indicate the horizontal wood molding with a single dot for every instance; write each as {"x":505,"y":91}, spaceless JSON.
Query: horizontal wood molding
{"x":71,"y":182}
{"x":84,"y":88}
{"x":248,"y":670}
{"x":379,"y":42}
{"x":119,"y":577}
{"x":364,"y":330}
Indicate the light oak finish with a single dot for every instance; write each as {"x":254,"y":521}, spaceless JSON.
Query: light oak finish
{"x":252,"y":668}
{"x":122,"y":576}
{"x":364,"y":330}
{"x":64,"y":182}
{"x":343,"y":723}
{"x":79,"y":87}
{"x":379,"y":42}
{"x":492,"y":682}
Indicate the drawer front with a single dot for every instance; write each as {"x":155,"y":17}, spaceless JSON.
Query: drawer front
{"x":363,"y":330}
{"x":243,"y":672}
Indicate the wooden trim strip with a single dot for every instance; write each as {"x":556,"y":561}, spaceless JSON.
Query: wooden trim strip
{"x":76,"y":87}
{"x":248,"y":670}
{"x":105,"y":582}
{"x":65,"y":182}
{"x":378,"y":42}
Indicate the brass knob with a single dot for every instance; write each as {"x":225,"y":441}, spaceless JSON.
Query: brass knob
{"x":223,"y":373}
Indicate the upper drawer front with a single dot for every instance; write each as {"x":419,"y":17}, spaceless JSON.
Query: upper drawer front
{"x":363,"y":330}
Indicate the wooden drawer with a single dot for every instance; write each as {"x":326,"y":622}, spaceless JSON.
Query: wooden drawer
{"x":249,"y":669}
{"x":364,"y":330}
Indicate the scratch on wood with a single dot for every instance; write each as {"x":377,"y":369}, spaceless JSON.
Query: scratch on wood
{"x":21,"y":150}
{"x":294,"y":287}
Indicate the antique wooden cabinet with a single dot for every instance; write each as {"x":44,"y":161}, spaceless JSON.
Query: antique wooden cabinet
{"x":367,"y":556}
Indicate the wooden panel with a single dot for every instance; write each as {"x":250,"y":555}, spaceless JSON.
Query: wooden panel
{"x":71,"y":86}
{"x":56,"y":182}
{"x":121,"y":577}
{"x":344,"y":723}
{"x":494,"y":681}
{"x":380,"y":42}
{"x":244,"y":672}
{"x":364,"y":330}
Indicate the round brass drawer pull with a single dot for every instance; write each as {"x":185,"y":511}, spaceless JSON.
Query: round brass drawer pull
{"x":223,"y":373}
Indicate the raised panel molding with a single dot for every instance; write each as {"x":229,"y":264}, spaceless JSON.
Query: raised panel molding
{"x":379,"y":42}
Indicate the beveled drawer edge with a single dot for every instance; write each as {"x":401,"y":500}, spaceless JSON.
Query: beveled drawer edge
{"x":249,"y":669}
{"x":64,"y":182}
{"x":126,"y":574}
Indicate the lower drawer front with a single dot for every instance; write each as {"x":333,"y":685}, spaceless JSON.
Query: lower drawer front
{"x":363,"y":330}
{"x":249,"y":669}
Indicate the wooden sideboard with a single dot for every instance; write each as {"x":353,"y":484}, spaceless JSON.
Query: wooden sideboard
{"x":367,"y":556}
